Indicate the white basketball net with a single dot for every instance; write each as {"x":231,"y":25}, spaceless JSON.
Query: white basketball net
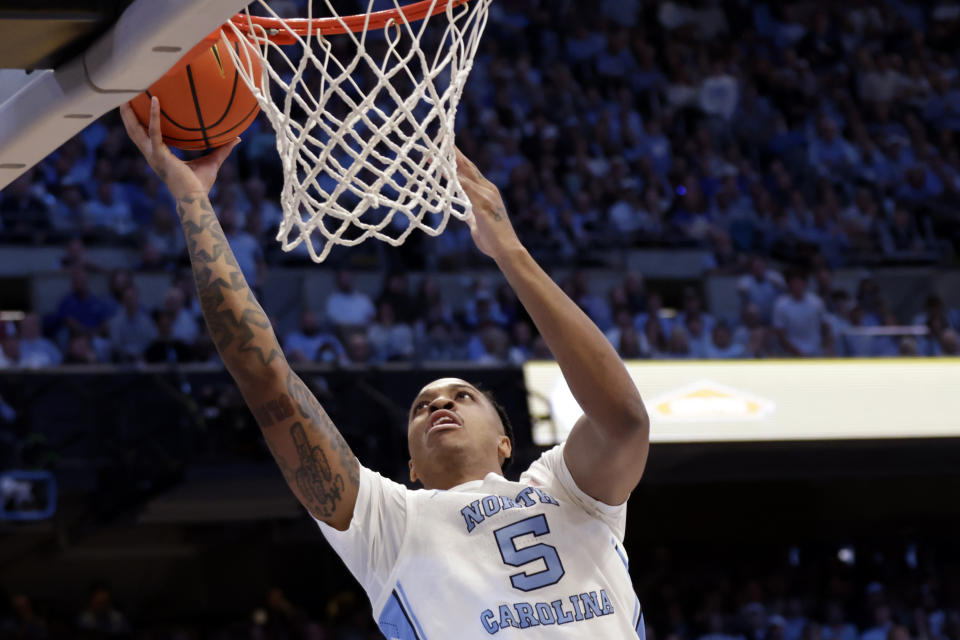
{"x":365,"y":122}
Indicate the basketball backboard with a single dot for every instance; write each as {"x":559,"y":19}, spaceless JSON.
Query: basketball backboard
{"x":64,"y":64}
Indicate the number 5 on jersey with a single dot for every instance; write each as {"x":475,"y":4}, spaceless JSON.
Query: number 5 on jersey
{"x":506,"y":540}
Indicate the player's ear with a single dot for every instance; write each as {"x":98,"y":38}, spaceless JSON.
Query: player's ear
{"x":504,"y":448}
{"x":413,"y":472}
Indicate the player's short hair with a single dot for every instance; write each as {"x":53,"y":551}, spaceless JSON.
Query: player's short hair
{"x":504,"y":420}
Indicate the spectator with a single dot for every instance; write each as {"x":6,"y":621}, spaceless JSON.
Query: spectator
{"x":108,"y":211}
{"x":100,"y":617}
{"x":75,"y":255}
{"x":25,"y":623}
{"x":482,"y":308}
{"x":358,"y":347}
{"x":131,"y":329}
{"x":22,"y":210}
{"x":760,"y":287}
{"x":635,"y":289}
{"x":10,"y":356}
{"x":629,"y":346}
{"x":721,"y":345}
{"x":439,"y":343}
{"x":185,"y":327}
{"x":165,"y":347}
{"x":882,"y":624}
{"x":396,"y":291}
{"x":118,"y":281}
{"x":36,"y":351}
{"x":347,"y":307}
{"x":310,"y":343}
{"x":521,"y":347}
{"x":653,"y":342}
{"x":80,"y":310}
{"x":901,"y":238}
{"x":697,"y":334}
{"x":389,"y":339}
{"x":678,"y":344}
{"x":622,"y":321}
{"x":837,"y":627}
{"x":495,"y":346}
{"x":80,"y":350}
{"x":799,"y":319}
{"x":164,"y":235}
{"x":830,"y":155}
{"x":245,"y":247}
{"x":593,"y":305}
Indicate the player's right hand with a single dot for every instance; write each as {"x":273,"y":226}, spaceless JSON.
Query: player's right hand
{"x":489,"y":224}
{"x":182,"y":178}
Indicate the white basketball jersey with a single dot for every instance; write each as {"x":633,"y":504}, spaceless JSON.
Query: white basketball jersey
{"x":531,"y":559}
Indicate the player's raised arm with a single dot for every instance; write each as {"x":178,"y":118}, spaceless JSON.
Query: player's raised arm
{"x":607,"y":449}
{"x":313,"y":456}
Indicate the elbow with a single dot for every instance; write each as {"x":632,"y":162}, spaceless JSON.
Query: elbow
{"x":633,"y":422}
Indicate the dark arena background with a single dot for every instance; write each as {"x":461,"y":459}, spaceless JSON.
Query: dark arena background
{"x":679,"y":167}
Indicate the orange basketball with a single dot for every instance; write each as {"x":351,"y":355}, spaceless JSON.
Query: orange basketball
{"x":203,"y":103}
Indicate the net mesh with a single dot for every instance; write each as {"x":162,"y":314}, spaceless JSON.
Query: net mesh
{"x":364,"y":121}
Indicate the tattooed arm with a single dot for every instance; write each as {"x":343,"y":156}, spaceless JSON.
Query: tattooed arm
{"x":314,"y":458}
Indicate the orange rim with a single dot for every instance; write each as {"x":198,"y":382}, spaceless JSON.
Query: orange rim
{"x":282,"y":31}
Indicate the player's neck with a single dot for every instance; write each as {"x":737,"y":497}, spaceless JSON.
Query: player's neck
{"x":452,"y":476}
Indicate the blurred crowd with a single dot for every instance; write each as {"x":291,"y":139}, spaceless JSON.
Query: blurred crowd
{"x":791,"y":134}
{"x":794,"y":313}
{"x":819,"y":600}
{"x":790,"y":129}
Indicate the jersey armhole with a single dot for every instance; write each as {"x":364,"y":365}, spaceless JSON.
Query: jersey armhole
{"x":413,"y":507}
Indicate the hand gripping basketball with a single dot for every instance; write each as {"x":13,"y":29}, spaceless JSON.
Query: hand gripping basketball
{"x":182,"y":178}
{"x":489,"y":225}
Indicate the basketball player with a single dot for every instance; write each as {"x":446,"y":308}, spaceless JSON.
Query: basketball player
{"x":471,"y":555}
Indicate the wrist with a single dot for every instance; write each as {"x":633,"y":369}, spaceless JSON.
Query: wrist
{"x":188,"y":195}
{"x":510,"y":253}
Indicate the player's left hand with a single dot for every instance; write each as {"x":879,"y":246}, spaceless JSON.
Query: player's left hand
{"x":489,"y":225}
{"x":182,"y":178}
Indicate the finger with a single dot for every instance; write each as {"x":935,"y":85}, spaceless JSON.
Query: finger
{"x":466,"y":166}
{"x":134,"y":129}
{"x":156,"y":135}
{"x":471,"y":221}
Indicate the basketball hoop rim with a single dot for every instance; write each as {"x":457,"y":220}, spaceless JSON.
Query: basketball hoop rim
{"x":284,"y":31}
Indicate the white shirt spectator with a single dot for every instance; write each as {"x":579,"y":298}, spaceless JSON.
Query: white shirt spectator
{"x":39,"y":352}
{"x":185,"y":327}
{"x":107,"y":211}
{"x":350,"y":308}
{"x":720,"y":95}
{"x":763,"y":292}
{"x":130,"y":335}
{"x":801,"y":321}
{"x":391,"y":342}
{"x":317,"y":347}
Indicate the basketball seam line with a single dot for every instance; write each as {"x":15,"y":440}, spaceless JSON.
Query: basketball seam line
{"x":196,"y":105}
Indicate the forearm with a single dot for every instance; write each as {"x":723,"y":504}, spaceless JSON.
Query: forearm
{"x":595,"y":373}
{"x":238,"y":326}
{"x":312,"y":455}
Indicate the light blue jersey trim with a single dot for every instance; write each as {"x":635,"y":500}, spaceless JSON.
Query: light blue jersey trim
{"x":623,"y":558}
{"x":640,"y":628}
{"x":406,"y":604}
{"x":397,"y":621}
